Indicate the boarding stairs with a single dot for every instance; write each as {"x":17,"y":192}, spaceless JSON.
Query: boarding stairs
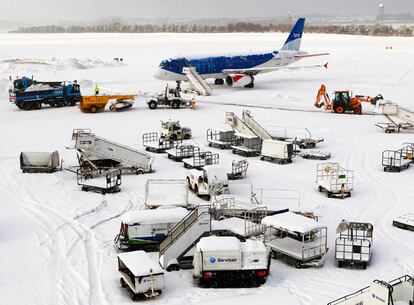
{"x":239,"y":126}
{"x":196,"y":81}
{"x":184,"y":236}
{"x":93,"y":147}
{"x":255,"y":126}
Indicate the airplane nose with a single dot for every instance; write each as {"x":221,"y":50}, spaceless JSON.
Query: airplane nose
{"x":159,"y":74}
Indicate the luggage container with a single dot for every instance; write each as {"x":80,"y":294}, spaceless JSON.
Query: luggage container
{"x":40,"y":162}
{"x":249,"y":146}
{"x":181,"y":151}
{"x":300,"y":239}
{"x":140,"y":274}
{"x":398,"y":160}
{"x":154,"y":143}
{"x":222,"y":139}
{"x":166,"y":192}
{"x":99,"y":181}
{"x":145,"y":228}
{"x":225,"y":261}
{"x":201,"y":159}
{"x":334,"y":179}
{"x":278,"y":151}
{"x":353,"y":246}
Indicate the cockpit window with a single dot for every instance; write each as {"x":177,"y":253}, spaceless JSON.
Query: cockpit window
{"x":165,"y":63}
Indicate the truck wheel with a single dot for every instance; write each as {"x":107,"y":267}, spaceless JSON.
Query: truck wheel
{"x":152,"y":104}
{"x":339,"y":109}
{"x":358,"y":110}
{"x":189,"y":183}
{"x":140,"y":172}
{"x":173,"y":267}
{"x":37,"y":105}
{"x":320,"y":189}
{"x":330,"y":195}
{"x":340,"y":264}
{"x":27,"y":106}
{"x":72,"y":102}
{"x":93,"y":109}
{"x":123,"y":284}
{"x":176,"y":104}
{"x":196,"y":190}
{"x":187,"y":136}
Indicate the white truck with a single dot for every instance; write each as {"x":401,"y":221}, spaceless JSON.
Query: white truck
{"x":144,"y":228}
{"x":140,"y":274}
{"x":225,"y":261}
{"x":278,"y":151}
{"x":209,"y":181}
{"x":172,"y":130}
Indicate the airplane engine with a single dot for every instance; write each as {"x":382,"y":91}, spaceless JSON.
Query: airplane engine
{"x":240,"y":80}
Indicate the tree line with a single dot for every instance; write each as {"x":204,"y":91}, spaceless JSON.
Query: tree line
{"x":245,"y":27}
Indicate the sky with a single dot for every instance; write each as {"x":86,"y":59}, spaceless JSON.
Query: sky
{"x":57,"y":11}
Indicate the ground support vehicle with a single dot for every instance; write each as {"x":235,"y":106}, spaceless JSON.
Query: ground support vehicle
{"x":140,"y":274}
{"x":103,"y":182}
{"x":97,"y":103}
{"x":209,"y":181}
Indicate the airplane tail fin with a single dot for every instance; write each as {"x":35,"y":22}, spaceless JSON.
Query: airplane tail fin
{"x":293,"y":41}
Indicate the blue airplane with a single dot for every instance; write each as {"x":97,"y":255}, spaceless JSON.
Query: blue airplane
{"x":239,"y":70}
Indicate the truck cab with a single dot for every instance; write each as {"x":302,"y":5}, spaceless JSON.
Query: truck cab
{"x":209,"y":181}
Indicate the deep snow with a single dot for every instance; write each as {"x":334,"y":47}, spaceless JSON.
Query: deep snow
{"x":56,"y":241}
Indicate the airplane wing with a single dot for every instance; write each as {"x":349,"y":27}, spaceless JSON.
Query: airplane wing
{"x":254,"y":71}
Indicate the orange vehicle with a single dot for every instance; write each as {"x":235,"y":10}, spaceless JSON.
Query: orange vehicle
{"x":343,"y":101}
{"x":96,"y":103}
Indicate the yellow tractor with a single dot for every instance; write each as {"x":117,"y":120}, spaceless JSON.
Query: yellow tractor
{"x":97,"y":103}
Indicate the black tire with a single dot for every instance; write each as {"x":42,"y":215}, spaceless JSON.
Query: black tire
{"x":122,"y":281}
{"x":37,"y":105}
{"x":72,"y":102}
{"x":176,"y":104}
{"x":364,"y":265}
{"x":187,"y":136}
{"x":152,"y":104}
{"x":173,"y":267}
{"x":340,"y":264}
{"x":140,"y":172}
{"x":298,"y":265}
{"x":196,"y":189}
{"x":219,"y":81}
{"x":27,"y":106}
{"x":189,"y":184}
{"x":330,"y":195}
{"x":320,"y":189}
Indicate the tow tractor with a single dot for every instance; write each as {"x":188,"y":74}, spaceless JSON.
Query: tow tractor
{"x":169,"y":98}
{"x":343,"y":101}
{"x":172,"y":130}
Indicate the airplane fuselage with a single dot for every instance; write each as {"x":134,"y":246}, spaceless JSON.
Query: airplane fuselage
{"x":213,"y":66}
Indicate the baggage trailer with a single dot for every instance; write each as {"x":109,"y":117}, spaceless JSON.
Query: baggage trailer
{"x":103,"y":182}
{"x":98,"y":152}
{"x":301,"y":137}
{"x":222,"y":139}
{"x":250,"y":146}
{"x":40,"y":162}
{"x":223,"y":261}
{"x":397,"y":292}
{"x":166,"y":192}
{"x":300,"y":239}
{"x":238,"y":169}
{"x":278,"y":151}
{"x":140,"y":274}
{"x":354,"y":244}
{"x":154,"y":143}
{"x":182,"y":151}
{"x":398,"y":160}
{"x":97,"y":103}
{"x":315,"y":155}
{"x":201,"y":159}
{"x":334,"y":179}
{"x":145,"y":228}
{"x":29,"y":94}
{"x":405,"y":222}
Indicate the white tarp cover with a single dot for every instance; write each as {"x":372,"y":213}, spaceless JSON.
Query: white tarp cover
{"x":39,"y":159}
{"x":166,"y":193}
{"x":140,"y":263}
{"x":292,"y":222}
{"x":158,"y":216}
{"x":237,"y":226}
{"x":218,"y":243}
{"x":39,"y":87}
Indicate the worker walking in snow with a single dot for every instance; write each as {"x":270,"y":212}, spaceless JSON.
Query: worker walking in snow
{"x":96,"y":89}
{"x":193,"y":104}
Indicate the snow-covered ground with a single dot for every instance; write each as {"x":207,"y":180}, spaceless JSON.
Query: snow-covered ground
{"x":56,"y":242}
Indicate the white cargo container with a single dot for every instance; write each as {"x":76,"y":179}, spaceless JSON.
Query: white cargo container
{"x":143,"y":276}
{"x":166,"y":192}
{"x":39,"y":162}
{"x":279,"y":151}
{"x":142,"y":228}
{"x":224,"y":260}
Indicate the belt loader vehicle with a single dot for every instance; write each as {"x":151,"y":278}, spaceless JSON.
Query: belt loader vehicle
{"x":343,"y":101}
{"x":300,"y":239}
{"x":353,"y":246}
{"x":140,"y":274}
{"x":225,"y":261}
{"x":397,"y":292}
{"x":29,"y":94}
{"x":337,"y":181}
{"x":209,"y":181}
{"x":142,"y":228}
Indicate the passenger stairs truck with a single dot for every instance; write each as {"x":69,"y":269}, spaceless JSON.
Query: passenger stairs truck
{"x":397,"y":292}
{"x":183,"y":237}
{"x":97,"y":152}
{"x":28,"y":94}
{"x":196,"y":81}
